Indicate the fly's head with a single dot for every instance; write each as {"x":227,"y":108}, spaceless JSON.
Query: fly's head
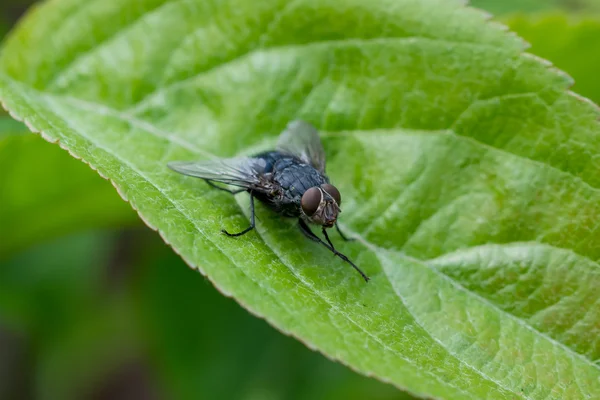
{"x":321,"y":204}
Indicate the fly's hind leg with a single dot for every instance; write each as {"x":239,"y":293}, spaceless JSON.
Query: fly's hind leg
{"x":234,"y":192}
{"x":344,"y":237}
{"x":252,"y":224}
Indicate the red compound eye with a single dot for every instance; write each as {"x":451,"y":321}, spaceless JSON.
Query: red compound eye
{"x":311,"y":199}
{"x":333,"y":192}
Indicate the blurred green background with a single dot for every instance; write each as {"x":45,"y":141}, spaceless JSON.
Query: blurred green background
{"x":94,"y":306}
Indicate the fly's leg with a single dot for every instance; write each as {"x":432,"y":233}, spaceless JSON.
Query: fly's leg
{"x":328,"y":241}
{"x":346,"y":238}
{"x":211,"y":183}
{"x":309,"y":234}
{"x":248,"y":229}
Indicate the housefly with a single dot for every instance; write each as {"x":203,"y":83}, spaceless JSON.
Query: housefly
{"x":290,"y":180}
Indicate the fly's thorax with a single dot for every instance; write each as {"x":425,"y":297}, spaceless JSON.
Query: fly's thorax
{"x":321,"y":205}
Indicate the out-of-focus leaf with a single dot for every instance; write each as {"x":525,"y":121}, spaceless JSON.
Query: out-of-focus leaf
{"x":45,"y":193}
{"x":499,"y":7}
{"x":446,"y":141}
{"x":10,"y":127}
{"x":4,"y":26}
{"x":571,"y":43}
{"x":74,"y":333}
{"x":4,"y":119}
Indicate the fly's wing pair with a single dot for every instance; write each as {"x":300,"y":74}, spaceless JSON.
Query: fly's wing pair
{"x":243,"y":172}
{"x":299,"y":139}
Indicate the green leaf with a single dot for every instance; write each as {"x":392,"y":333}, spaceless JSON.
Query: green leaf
{"x":444,"y":139}
{"x":46,"y":193}
{"x":571,"y":43}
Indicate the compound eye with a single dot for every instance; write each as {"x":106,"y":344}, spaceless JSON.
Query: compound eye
{"x":333,"y":192}
{"x":311,"y":199}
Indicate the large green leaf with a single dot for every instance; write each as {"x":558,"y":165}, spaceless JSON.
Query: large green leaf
{"x":45,"y":193}
{"x":454,"y":152}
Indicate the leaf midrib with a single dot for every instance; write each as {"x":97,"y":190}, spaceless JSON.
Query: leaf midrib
{"x":127,"y":117}
{"x":102,"y":109}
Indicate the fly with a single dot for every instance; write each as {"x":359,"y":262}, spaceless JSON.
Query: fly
{"x":290,"y":180}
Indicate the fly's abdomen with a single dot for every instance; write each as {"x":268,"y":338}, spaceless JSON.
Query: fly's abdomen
{"x":271,"y":157}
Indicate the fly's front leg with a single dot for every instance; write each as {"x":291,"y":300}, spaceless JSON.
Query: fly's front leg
{"x":328,"y":241}
{"x":234,"y":192}
{"x":344,"y":237}
{"x":309,"y":234}
{"x":252,"y":224}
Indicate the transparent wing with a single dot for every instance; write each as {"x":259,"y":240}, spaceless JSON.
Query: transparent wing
{"x":302,"y":140}
{"x":243,"y":172}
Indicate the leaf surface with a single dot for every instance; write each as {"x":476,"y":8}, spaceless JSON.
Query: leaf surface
{"x":446,"y":142}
